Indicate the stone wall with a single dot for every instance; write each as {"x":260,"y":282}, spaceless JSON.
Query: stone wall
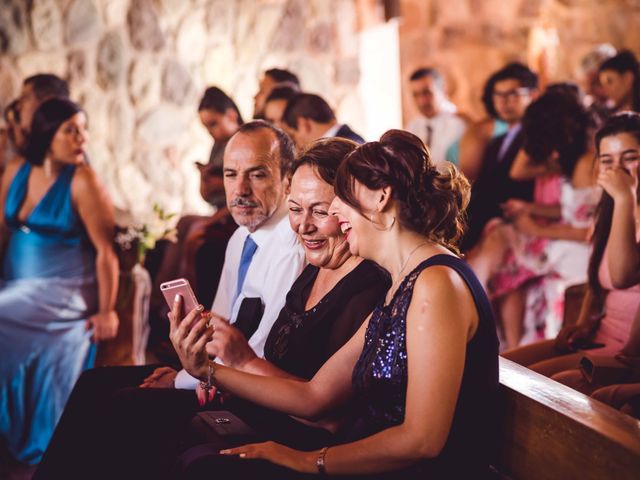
{"x":469,"y":39}
{"x":139,"y":66}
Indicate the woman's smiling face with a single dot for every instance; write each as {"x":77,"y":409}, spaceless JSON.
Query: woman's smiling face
{"x":357,"y":229}
{"x":318,"y":231}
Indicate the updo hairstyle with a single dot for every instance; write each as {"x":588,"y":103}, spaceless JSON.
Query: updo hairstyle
{"x":431,"y":202}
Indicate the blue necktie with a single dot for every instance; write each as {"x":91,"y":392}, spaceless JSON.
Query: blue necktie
{"x":248,"y":250}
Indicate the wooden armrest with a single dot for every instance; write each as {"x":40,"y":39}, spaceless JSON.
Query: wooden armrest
{"x":548,"y":430}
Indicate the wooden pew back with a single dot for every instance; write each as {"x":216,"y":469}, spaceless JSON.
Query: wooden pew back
{"x":550,"y":431}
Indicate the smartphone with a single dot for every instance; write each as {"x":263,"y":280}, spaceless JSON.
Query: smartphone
{"x":181,"y":287}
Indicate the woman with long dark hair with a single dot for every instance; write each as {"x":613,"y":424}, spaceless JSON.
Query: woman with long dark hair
{"x":620,"y":80}
{"x":60,"y":276}
{"x":544,"y":249}
{"x":618,"y":150}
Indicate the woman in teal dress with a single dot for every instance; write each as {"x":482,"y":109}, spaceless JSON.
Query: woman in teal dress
{"x":60,"y":276}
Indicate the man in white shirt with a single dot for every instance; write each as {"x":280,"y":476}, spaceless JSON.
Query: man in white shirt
{"x":309,"y":117}
{"x":438,"y":126}
{"x":264,"y":248}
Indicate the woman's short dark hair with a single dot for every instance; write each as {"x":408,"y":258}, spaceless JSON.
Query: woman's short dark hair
{"x":46,"y":121}
{"x":215,"y":99}
{"x":431,"y":202}
{"x":325,"y":156}
{"x":556,"y":121}
{"x":626,"y":61}
{"x":625,"y":122}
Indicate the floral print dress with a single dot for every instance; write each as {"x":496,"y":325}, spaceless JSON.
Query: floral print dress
{"x":547,"y":266}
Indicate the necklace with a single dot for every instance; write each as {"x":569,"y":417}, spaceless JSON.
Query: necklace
{"x":406,"y":262}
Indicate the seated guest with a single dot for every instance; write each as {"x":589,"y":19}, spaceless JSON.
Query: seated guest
{"x":276,"y":104}
{"x":623,"y":396}
{"x":438,"y":126}
{"x":543,"y":247}
{"x":325,"y":306}
{"x":11,"y":134}
{"x":423,"y":382}
{"x":221,"y":117}
{"x":309,"y":117}
{"x":514,"y":87}
{"x":272,"y":78}
{"x":198,"y":254}
{"x":618,"y":150}
{"x":60,"y":276}
{"x":620,"y":79}
{"x":473,"y":143}
{"x":588,"y":76}
{"x":35,"y":90}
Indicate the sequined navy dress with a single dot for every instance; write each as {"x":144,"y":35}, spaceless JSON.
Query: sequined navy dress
{"x":380,"y":381}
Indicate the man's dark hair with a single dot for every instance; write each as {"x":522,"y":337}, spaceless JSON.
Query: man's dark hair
{"x":428,"y":72}
{"x":519,"y":72}
{"x":307,"y":105}
{"x":12,"y":112}
{"x":46,"y":85}
{"x":215,"y":99}
{"x":286,"y":147}
{"x":281,"y":76}
{"x":282,"y":93}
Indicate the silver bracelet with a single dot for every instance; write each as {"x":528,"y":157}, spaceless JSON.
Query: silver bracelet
{"x":208,"y":385}
{"x":322,"y":470}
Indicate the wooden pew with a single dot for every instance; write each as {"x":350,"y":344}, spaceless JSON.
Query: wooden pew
{"x":549,"y":431}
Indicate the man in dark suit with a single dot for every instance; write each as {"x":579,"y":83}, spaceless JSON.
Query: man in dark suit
{"x":514,"y":88}
{"x":309,"y":117}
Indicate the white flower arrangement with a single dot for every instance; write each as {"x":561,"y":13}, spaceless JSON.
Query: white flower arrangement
{"x":159,"y":226}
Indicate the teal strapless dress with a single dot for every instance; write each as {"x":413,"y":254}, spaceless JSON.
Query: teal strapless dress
{"x":47,"y":293}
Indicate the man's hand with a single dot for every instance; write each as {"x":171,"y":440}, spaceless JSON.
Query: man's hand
{"x":162,"y":377}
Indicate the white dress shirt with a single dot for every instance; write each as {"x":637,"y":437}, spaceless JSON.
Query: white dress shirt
{"x":332,"y":131}
{"x":446,"y":128}
{"x":275,"y":265}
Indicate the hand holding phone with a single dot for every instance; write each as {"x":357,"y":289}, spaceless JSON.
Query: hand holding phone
{"x":180,"y":287}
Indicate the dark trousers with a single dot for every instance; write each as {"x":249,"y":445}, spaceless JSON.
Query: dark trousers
{"x":112,"y":429}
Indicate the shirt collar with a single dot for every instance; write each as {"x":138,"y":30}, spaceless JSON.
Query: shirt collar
{"x":332,"y":131}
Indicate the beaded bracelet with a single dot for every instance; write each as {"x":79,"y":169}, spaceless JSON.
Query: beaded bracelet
{"x":320,"y":461}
